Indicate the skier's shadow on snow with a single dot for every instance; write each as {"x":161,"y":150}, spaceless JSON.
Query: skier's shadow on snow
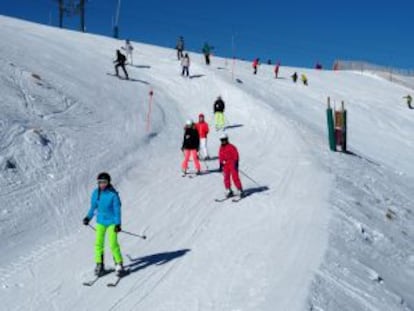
{"x":214,"y":158}
{"x":233,"y":126}
{"x":137,"y":80}
{"x":196,"y":76}
{"x":124,"y":79}
{"x":151,"y":136}
{"x":141,"y":66}
{"x":159,"y":259}
{"x":249,"y":191}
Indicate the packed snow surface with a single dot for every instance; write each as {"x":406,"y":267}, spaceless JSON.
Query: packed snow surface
{"x":317,"y":231}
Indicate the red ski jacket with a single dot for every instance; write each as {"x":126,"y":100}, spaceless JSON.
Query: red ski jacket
{"x":228,"y":155}
{"x":202,"y":128}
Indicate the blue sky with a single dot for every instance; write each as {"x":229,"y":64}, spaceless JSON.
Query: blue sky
{"x":295,"y":32}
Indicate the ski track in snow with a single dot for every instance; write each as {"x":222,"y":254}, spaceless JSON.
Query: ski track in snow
{"x":313,"y":235}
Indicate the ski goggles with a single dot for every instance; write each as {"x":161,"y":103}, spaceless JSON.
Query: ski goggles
{"x":102,"y":182}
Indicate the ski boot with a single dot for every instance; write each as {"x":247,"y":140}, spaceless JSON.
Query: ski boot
{"x":99,"y":269}
{"x":229,"y":193}
{"x":119,"y":270}
{"x":240,"y":193}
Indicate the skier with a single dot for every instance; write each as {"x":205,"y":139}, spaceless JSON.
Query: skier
{"x":185,"y":64}
{"x":277,"y":67}
{"x":318,"y":66}
{"x":207,"y":51}
{"x":219,"y":107}
{"x":105,"y":202}
{"x":409,"y":100}
{"x":295,"y":77}
{"x":180,"y":47}
{"x":120,"y":62}
{"x":128,"y":50}
{"x":229,"y":165}
{"x":255,"y":65}
{"x":304,"y":79}
{"x":203,"y":129}
{"x":190,"y":147}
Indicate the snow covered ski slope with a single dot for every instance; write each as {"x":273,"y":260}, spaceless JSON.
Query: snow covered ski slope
{"x":317,"y":231}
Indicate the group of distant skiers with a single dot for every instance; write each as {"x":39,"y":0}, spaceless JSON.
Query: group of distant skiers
{"x":194,"y":146}
{"x":122,"y":59}
{"x":303,"y":77}
{"x":185,"y":58}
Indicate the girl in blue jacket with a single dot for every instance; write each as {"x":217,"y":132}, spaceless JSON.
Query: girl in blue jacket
{"x":105,"y":203}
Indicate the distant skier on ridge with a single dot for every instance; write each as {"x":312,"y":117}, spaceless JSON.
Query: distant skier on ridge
{"x":304,"y":79}
{"x":295,"y":77}
{"x":255,"y":65}
{"x":180,"y":47}
{"x":207,"y":52}
{"x":277,"y":67}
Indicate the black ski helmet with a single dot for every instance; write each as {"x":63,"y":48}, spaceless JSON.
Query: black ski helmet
{"x":104,"y":176}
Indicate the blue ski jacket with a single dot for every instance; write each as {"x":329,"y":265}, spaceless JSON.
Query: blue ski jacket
{"x":107,"y":205}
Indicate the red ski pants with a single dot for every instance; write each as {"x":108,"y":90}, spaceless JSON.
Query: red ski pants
{"x":230,"y":171}
{"x":190,"y":153}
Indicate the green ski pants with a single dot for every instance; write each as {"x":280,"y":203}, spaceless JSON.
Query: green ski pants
{"x":113,"y":243}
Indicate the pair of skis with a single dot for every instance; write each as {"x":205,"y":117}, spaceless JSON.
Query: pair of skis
{"x":234,"y":199}
{"x":106,"y":272}
{"x":192,"y":174}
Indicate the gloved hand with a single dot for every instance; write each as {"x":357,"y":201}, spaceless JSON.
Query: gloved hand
{"x":86,"y":221}
{"x":118,"y":228}
{"x":236,"y":165}
{"x":221,"y":167}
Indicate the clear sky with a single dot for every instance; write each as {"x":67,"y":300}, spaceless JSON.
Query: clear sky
{"x":295,"y":32}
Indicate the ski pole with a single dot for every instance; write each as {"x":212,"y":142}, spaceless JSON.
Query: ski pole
{"x":247,"y":176}
{"x":144,"y":237}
